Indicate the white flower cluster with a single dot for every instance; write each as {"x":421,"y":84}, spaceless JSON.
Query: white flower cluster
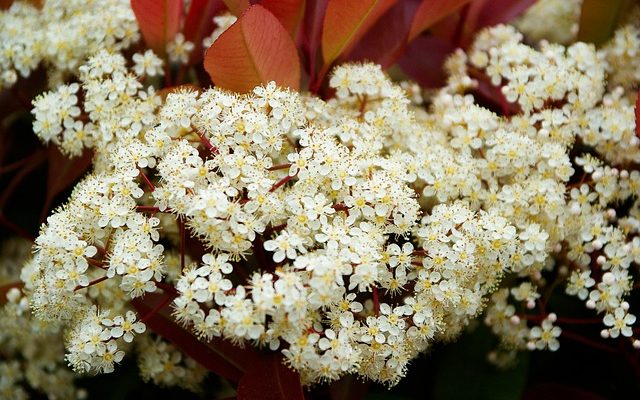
{"x":93,"y":343}
{"x":365,"y":229}
{"x":565,"y":105}
{"x":561,"y":21}
{"x":349,"y":234}
{"x":164,"y":365}
{"x":61,"y":35}
{"x":32,"y":353}
{"x":114,"y":105}
{"x":622,"y":54}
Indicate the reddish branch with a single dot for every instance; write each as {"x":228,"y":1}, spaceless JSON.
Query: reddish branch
{"x":376,"y":300}
{"x":279,"y":166}
{"x":93,"y":282}
{"x":587,"y":341}
{"x":280,"y":183}
{"x":168,"y":299}
{"x":147,"y":181}
{"x":206,"y":143}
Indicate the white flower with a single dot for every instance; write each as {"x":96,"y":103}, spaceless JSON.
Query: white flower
{"x":619,"y":322}
{"x":147,"y":64}
{"x":545,"y":336}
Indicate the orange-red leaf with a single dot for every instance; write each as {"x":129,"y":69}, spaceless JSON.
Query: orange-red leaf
{"x":345,"y":22}
{"x":385,"y":42}
{"x":482,"y":13}
{"x":311,"y":34}
{"x":256,"y":49}
{"x":288,"y":12}
{"x":236,"y":7}
{"x":199,"y":24}
{"x":427,"y":71}
{"x":431,"y":11}
{"x":159,"y":21}
{"x":269,"y":379}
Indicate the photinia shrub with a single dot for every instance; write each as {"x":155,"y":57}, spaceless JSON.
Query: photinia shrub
{"x":300,"y":197}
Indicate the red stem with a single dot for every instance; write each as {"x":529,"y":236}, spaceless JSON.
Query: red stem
{"x":167,"y":288}
{"x":37,"y":155}
{"x":280,"y":183}
{"x":376,"y":301}
{"x":146,"y":180}
{"x":587,"y":342}
{"x":206,"y":143}
{"x":563,"y":320}
{"x":279,"y":166}
{"x":96,"y":263}
{"x":182,"y":242}
{"x":93,"y":282}
{"x":150,"y":209}
{"x":168,"y":299}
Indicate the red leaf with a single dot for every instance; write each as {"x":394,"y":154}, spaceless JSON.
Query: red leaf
{"x":430,"y":12}
{"x":236,"y":7}
{"x":256,"y":49}
{"x":159,"y":21}
{"x":495,"y":12}
{"x":424,"y":58}
{"x":269,"y":379}
{"x":346,"y":22}
{"x":637,"y":111}
{"x":218,"y":356}
{"x":311,"y":33}
{"x":483,"y":13}
{"x":385,"y":42}
{"x":199,"y":24}
{"x":288,"y":12}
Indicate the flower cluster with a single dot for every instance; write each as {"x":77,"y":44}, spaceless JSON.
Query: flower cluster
{"x":164,"y":365}
{"x":61,"y":35}
{"x":31,"y":353}
{"x":561,"y":21}
{"x":115,"y":105}
{"x":349,"y":234}
{"x":558,"y":97}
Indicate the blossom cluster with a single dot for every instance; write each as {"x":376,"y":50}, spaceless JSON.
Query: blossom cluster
{"x":61,"y":34}
{"x":349,"y":234}
{"x":561,"y":98}
{"x":32,"y":353}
